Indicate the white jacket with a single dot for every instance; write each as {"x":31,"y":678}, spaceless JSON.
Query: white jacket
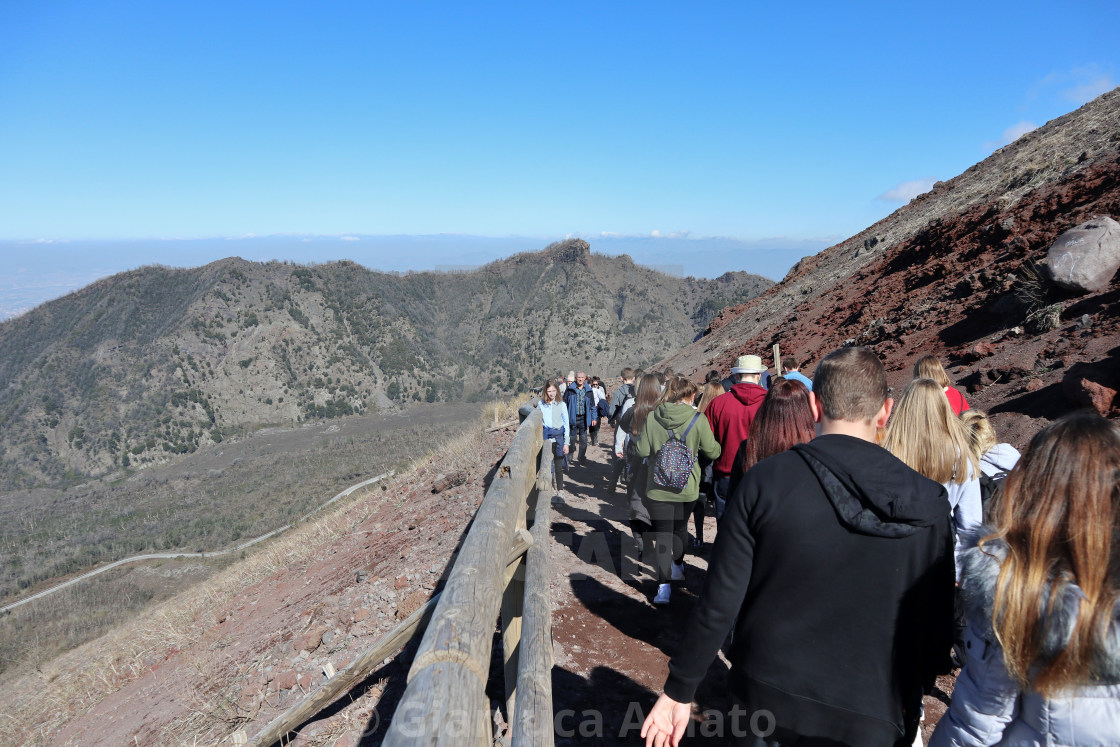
{"x":620,"y":434}
{"x":999,"y":458}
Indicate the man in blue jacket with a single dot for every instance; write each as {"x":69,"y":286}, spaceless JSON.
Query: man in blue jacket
{"x":581,"y":414}
{"x":834,"y":562}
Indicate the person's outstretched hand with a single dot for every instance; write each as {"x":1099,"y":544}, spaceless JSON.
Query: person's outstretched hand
{"x":666,"y":722}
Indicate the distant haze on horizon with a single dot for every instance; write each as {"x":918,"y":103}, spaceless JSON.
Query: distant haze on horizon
{"x":419,"y":129}
{"x":41,"y":271}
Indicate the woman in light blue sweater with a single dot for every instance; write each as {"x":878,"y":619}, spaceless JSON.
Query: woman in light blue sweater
{"x":554,"y":413}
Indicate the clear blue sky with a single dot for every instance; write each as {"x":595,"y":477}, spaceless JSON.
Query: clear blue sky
{"x":160,"y":119}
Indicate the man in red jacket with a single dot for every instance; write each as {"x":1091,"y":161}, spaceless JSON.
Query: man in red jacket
{"x":731,"y":414}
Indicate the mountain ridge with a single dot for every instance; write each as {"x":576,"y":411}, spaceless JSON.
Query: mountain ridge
{"x":159,"y":361}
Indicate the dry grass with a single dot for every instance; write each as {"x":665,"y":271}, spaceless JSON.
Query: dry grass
{"x":503,"y":411}
{"x":1031,"y":287}
{"x":463,"y":452}
{"x":43,"y":700}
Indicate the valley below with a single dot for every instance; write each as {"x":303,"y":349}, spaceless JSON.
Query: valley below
{"x":213,"y":499}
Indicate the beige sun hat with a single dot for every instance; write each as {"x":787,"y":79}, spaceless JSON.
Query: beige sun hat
{"x":748,"y":364}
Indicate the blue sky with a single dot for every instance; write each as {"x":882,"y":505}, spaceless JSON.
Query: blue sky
{"x":525,"y":122}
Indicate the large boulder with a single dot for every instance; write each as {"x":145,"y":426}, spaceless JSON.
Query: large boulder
{"x":1085,"y":258}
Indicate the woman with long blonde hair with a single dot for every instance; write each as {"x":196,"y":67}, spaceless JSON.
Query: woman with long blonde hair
{"x":929,"y":367}
{"x":924,"y":433}
{"x":1041,"y":595}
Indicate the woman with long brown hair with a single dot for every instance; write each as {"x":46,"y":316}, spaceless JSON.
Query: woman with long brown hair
{"x":554,"y":415}
{"x":647,"y":394}
{"x":784,"y":420}
{"x":670,"y":507}
{"x":1041,"y":594}
{"x":709,"y":391}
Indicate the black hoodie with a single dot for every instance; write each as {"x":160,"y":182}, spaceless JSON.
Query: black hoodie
{"x":837,"y":560}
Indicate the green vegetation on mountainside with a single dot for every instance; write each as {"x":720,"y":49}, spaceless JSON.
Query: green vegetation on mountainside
{"x":157,"y":362}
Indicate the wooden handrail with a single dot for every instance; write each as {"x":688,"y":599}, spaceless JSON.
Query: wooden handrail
{"x":445,"y":702}
{"x":360,"y":668}
{"x":532,"y":714}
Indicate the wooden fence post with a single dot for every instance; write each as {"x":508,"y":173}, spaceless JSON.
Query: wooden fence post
{"x":532,"y":719}
{"x":445,"y":702}
{"x":512,"y":609}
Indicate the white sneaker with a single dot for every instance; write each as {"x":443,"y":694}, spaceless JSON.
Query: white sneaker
{"x":663,"y":592}
{"x":676,"y":572}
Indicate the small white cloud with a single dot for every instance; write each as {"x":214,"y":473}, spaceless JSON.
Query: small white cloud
{"x":656,"y":234}
{"x":680,"y":234}
{"x":1078,"y":85}
{"x":1010,"y":135}
{"x":305,"y":240}
{"x":907,"y":191}
{"x":350,"y":238}
{"x":609,"y":234}
{"x":1089,"y":88}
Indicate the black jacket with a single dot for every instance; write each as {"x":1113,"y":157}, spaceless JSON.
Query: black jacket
{"x":837,"y":559}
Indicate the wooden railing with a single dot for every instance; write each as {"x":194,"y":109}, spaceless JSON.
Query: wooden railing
{"x":446,"y":702}
{"x":503,"y":566}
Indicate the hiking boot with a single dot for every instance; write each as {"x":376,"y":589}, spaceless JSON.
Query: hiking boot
{"x":677,"y":572}
{"x":662,"y":597}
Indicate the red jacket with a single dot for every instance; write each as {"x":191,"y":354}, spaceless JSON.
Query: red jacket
{"x":731,"y":414}
{"x":956,"y":401}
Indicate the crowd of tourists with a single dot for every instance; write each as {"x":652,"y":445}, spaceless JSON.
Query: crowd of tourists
{"x":864,"y":546}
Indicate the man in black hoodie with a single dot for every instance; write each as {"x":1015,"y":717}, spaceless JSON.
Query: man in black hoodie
{"x":834,"y":562}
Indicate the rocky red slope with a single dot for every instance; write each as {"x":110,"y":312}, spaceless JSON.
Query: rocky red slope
{"x":952,"y":279}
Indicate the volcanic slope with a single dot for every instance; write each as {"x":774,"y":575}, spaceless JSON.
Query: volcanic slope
{"x":155,"y":362}
{"x":955,"y":273}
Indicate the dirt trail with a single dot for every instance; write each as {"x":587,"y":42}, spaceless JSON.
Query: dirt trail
{"x":611,"y":645}
{"x":252,"y":653}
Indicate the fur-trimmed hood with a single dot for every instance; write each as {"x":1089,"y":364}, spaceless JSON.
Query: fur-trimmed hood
{"x":980,"y":571}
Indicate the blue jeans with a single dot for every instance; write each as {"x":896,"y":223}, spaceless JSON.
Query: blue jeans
{"x":578,"y":430}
